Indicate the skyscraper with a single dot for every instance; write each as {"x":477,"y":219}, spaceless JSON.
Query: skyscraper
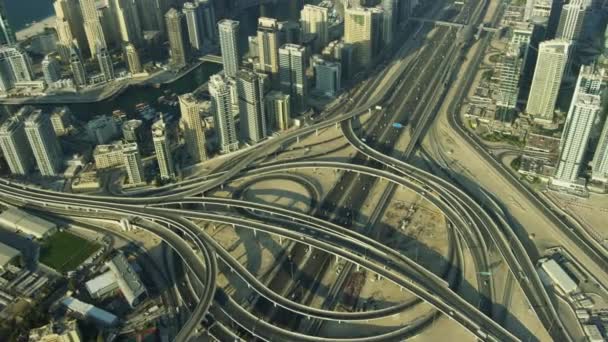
{"x":194,"y":19}
{"x":253,"y":122}
{"x":44,"y":143}
{"x":162,"y":149}
{"x":20,"y":63}
{"x":278,"y":110}
{"x":599,"y":166}
{"x":584,"y":109}
{"x":222,"y":107}
{"x":509,"y":74}
{"x":548,"y":74}
{"x":77,"y":67}
{"x":92,"y":26}
{"x":177,"y":30}
{"x":69,"y":26}
{"x":15,"y":147}
{"x":109,"y":24}
{"x":7,"y":35}
{"x":389,"y":20}
{"x":132,"y":57}
{"x":327,"y":77}
{"x":292,"y":59}
{"x":7,"y":81}
{"x":314,"y":21}
{"x":231,"y":57}
{"x":268,"y":45}
{"x":572,"y":20}
{"x":105,"y":64}
{"x":361,"y":28}
{"x":128,"y":21}
{"x":209,"y":24}
{"x":132,"y":130}
{"x":133,"y":164}
{"x":51,"y":70}
{"x":194,"y":128}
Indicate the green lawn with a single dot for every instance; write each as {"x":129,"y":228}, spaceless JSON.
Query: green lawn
{"x":64,"y":251}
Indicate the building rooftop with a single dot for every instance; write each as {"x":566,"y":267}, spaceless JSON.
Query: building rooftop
{"x":559,"y":276}
{"x":89,"y":311}
{"x":7,"y":253}
{"x":101,"y":282}
{"x":107,"y":148}
{"x":19,"y":220}
{"x":128,"y":280}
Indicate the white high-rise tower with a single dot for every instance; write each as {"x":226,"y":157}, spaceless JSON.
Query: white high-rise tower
{"x":229,"y":34}
{"x":162,"y":149}
{"x":222,"y":89}
{"x":548,"y":75}
{"x":44,"y":143}
{"x":584,"y":109}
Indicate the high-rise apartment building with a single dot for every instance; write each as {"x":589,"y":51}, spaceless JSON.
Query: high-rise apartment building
{"x":105,"y":64}
{"x":132,"y":130}
{"x":572,"y":20}
{"x":194,"y":20}
{"x":253,"y":121}
{"x":77,"y":67}
{"x":209,"y":23}
{"x":7,"y":81}
{"x":15,"y":147}
{"x":162,"y":147}
{"x":133,"y":164}
{"x":584,"y":110}
{"x":19,"y":62}
{"x":7,"y":35}
{"x":292,"y":74}
{"x":68,"y":25}
{"x":278,"y":110}
{"x":229,"y":43}
{"x":194,"y":127}
{"x":44,"y":143}
{"x":61,"y":119}
{"x":128,"y":21}
{"x":151,"y":14}
{"x":177,"y":31}
{"x":548,"y":75}
{"x":327,"y":77}
{"x":314,"y":20}
{"x":109,"y":24}
{"x":221,"y":89}
{"x":389,"y":20}
{"x":599,"y":166}
{"x":362,"y":29}
{"x":51,"y":70}
{"x":268,"y":45}
{"x":92,"y":26}
{"x":509,"y":74}
{"x":132,"y":57}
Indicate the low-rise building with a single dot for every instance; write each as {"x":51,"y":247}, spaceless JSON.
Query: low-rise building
{"x":107,"y":156}
{"x":57,"y":332}
{"x":88,"y":311}
{"x":559,"y":277}
{"x":102,"y":286}
{"x":128,"y":281}
{"x":20,"y":221}
{"x":8,"y":256}
{"x":593,"y":333}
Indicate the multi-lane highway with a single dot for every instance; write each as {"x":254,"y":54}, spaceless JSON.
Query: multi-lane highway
{"x":408,"y":91}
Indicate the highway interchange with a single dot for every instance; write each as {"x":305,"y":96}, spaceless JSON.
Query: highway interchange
{"x":410,"y":93}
